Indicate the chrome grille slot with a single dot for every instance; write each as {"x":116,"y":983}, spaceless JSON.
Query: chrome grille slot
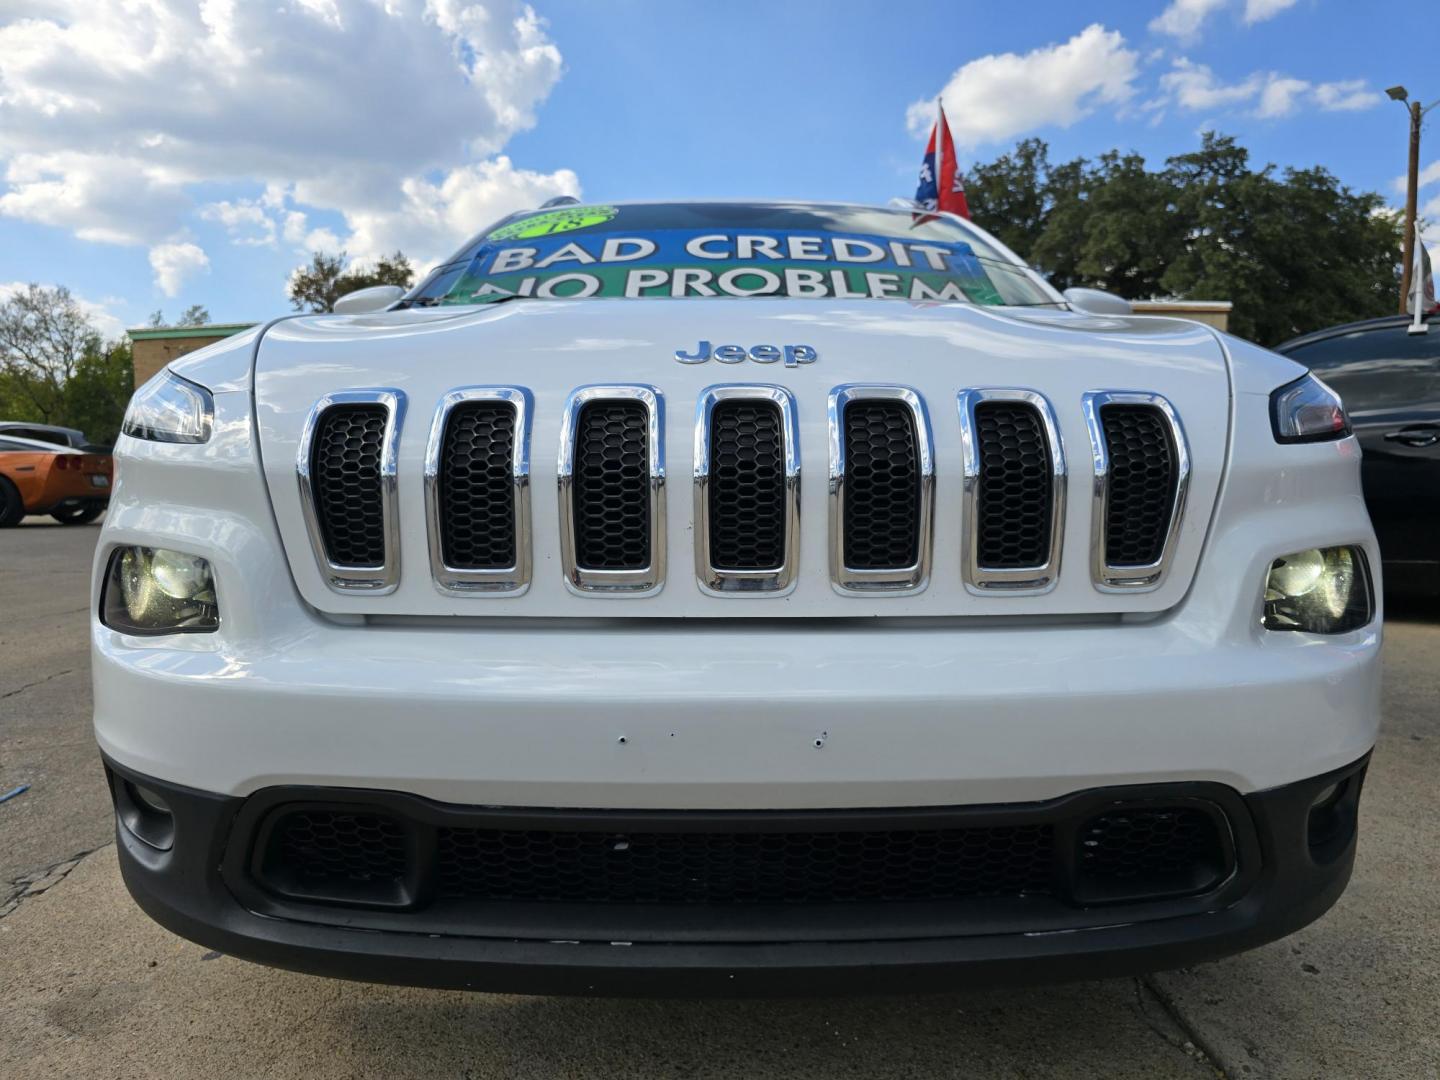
{"x":346,"y":470}
{"x":882,"y":477}
{"x":747,"y":490}
{"x":1014,"y":508}
{"x":611,"y":480}
{"x":477,"y":491}
{"x":747,"y":487}
{"x":1142,"y":471}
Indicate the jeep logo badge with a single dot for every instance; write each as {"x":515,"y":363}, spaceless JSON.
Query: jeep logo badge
{"x":793,"y":355}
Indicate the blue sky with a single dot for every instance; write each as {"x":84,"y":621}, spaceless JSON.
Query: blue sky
{"x":185,"y":156}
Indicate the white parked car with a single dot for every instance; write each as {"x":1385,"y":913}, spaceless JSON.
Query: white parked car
{"x":772,"y":598}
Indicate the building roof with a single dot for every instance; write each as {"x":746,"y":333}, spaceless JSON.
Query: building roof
{"x":209,"y":330}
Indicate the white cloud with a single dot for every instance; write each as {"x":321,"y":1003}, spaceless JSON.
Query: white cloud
{"x":112,"y":112}
{"x":246,"y":222}
{"x":1430,"y":174}
{"x":1002,"y":95}
{"x":1272,"y":95}
{"x":1183,"y":18}
{"x":1260,"y":10}
{"x":1346,"y":96}
{"x":98,"y":311}
{"x":1279,"y":96}
{"x":174,"y":262}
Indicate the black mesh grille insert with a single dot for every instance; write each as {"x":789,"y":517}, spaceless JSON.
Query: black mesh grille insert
{"x":323,"y":847}
{"x":1014,"y":505}
{"x":882,"y":486}
{"x":745,"y":867}
{"x":345,"y":477}
{"x":747,"y":486}
{"x":611,"y":486}
{"x":1149,"y":850}
{"x":1142,"y":483}
{"x":477,"y":486}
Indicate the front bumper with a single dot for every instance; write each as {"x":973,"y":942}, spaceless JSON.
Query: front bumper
{"x":1287,"y":863}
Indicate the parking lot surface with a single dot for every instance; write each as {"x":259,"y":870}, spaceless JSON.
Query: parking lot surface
{"x":90,"y":987}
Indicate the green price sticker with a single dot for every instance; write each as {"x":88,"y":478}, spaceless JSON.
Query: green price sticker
{"x":556,"y":221}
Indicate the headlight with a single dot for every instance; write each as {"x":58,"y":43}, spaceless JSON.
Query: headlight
{"x":156,"y":591}
{"x":170,"y":409}
{"x":1320,"y":591}
{"x":1307,"y":410}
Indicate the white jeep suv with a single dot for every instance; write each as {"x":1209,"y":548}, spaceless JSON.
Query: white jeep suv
{"x":746,"y":598}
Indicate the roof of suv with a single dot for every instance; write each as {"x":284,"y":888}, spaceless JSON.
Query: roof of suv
{"x":1382,"y":323}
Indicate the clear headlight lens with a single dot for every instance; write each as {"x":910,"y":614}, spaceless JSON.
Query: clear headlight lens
{"x":1308,"y":411}
{"x":157,"y":591}
{"x":170,"y":409}
{"x":1319,"y":591}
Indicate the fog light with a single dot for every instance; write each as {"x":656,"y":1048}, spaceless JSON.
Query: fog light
{"x":1319,"y":591}
{"x":145,"y":814}
{"x":156,"y":591}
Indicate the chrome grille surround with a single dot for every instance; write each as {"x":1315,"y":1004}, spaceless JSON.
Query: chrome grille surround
{"x":590,"y":582}
{"x":769,"y":582}
{"x":507,"y":581}
{"x":377,"y":580}
{"x":1108,"y":578}
{"x":897,"y":581}
{"x":1015,"y":580}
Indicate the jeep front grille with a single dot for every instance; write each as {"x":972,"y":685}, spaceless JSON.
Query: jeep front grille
{"x":746,"y":529}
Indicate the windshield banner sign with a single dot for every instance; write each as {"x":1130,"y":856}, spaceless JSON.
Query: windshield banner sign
{"x":699,"y":262}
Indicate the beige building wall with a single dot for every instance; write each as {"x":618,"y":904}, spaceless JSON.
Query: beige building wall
{"x":152,"y":349}
{"x":1214,"y":313}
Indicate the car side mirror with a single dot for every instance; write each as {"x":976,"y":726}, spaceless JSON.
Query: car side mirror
{"x":1098,"y":302}
{"x":375,"y":298}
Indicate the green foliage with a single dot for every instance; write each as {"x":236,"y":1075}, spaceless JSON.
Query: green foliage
{"x":96,"y":395}
{"x":55,"y":369}
{"x":194,"y":315}
{"x":316,"y":287}
{"x":1293,"y":253}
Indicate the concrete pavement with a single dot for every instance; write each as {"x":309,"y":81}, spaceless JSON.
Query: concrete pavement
{"x":90,"y":987}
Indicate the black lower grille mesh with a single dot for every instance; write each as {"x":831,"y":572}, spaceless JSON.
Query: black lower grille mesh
{"x":1110,"y":852}
{"x":747,"y":486}
{"x":1014,"y":504}
{"x":882,"y":486}
{"x":345,"y":478}
{"x":477,"y":486}
{"x":1141,"y":491}
{"x":744,"y":867}
{"x":1150,"y":849}
{"x":611,"y":486}
{"x":324,"y":847}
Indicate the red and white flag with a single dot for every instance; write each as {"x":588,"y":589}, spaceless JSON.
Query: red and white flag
{"x":942,"y":185}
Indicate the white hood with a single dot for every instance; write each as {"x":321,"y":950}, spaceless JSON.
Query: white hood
{"x":552,"y":347}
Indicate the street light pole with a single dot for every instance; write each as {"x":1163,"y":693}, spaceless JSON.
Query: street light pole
{"x":1417,"y":114}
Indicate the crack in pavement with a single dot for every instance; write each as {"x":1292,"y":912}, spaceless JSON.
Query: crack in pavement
{"x":38,"y":682}
{"x":1196,"y":1044}
{"x":38,"y":882}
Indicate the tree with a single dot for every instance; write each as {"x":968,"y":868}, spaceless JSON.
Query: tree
{"x":44,"y":334}
{"x":316,"y":287}
{"x":194,"y":315}
{"x":1292,"y":253}
{"x":96,"y":395}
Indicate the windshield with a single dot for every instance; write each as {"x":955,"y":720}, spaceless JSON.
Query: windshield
{"x":729,"y":250}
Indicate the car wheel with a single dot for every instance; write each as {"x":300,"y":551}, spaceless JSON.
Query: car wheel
{"x":12,"y":507}
{"x":78,"y":515}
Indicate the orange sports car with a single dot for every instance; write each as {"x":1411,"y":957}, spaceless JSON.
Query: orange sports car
{"x":38,"y":477}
